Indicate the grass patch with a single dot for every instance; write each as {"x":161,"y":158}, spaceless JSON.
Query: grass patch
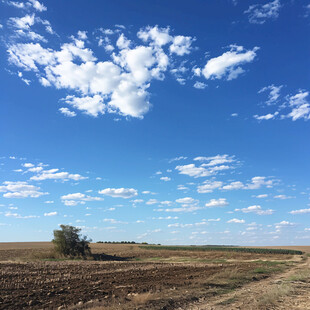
{"x":223,"y":249}
{"x":274,"y":294}
{"x":301,"y":276}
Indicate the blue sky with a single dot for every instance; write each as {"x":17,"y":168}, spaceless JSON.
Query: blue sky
{"x":167,"y":122}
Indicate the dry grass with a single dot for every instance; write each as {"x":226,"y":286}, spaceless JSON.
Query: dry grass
{"x":301,"y":276}
{"x":274,"y":294}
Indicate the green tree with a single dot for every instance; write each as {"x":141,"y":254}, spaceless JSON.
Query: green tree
{"x":69,"y":242}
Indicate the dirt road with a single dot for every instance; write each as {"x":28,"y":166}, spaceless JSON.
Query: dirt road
{"x":289,"y":290}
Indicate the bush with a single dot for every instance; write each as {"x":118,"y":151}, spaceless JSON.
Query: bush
{"x":69,"y":242}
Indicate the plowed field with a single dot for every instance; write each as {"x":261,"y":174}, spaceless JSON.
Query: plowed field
{"x":145,"y":279}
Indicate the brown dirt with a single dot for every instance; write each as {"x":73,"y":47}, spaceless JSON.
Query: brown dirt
{"x":148,"y":279}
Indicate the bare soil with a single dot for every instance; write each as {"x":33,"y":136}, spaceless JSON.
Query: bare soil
{"x":136,"y":278}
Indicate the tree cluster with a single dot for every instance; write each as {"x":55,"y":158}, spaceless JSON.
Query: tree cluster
{"x":69,"y":242}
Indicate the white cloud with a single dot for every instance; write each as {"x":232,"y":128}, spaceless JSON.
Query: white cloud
{"x":158,"y":36}
{"x":119,"y":192}
{"x":49,"y":201}
{"x":237,"y":221}
{"x":67,"y":112}
{"x":274,"y":93}
{"x":228,"y":64}
{"x":284,"y":224}
{"x":89,"y":105}
{"x":82,"y":35}
{"x":122,"y":42}
{"x":119,"y":85}
{"x":18,"y":5}
{"x":266,"y":117}
{"x":259,"y":13}
{"x":20,"y":190}
{"x":28,"y":165}
{"x":186,"y":200}
{"x":221,"y":202}
{"x":300,"y":106}
{"x":261,"y":196}
{"x":234,"y":186}
{"x":256,"y":209}
{"x":216,"y":160}
{"x":209,"y":186}
{"x":78,"y":198}
{"x":214,"y":220}
{"x":152,"y":202}
{"x":185,"y":208}
{"x":55,"y":174}
{"x":300,"y":211}
{"x":18,"y":216}
{"x":256,"y":183}
{"x":51,"y":213}
{"x":193,"y":171}
{"x":181,"y":45}
{"x":283,"y":197}
{"x":35,"y":169}
{"x":31,"y":35}
{"x":165,"y":179}
{"x":200,"y":85}
{"x":182,"y":188}
{"x":177,"y":159}
{"x":234,"y":115}
{"x":22,"y":22}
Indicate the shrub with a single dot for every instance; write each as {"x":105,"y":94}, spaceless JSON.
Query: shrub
{"x":69,"y":242}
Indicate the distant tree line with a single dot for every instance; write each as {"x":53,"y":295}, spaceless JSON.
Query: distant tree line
{"x":122,"y":242}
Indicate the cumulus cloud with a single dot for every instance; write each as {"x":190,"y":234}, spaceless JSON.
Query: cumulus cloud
{"x":20,"y":190}
{"x":200,"y":85}
{"x":50,"y":213}
{"x":118,"y":85}
{"x":38,"y":6}
{"x":256,"y":183}
{"x":221,"y":202}
{"x":215,"y":160}
{"x":259,"y":13}
{"x":284,"y":224}
{"x":237,"y":221}
{"x":261,"y":196}
{"x":300,"y":211}
{"x":166,"y":179}
{"x":193,"y":171}
{"x":256,"y":209}
{"x":78,"y":198}
{"x":55,"y":174}
{"x":283,"y":197}
{"x":295,"y":106}
{"x":28,"y":165}
{"x":67,"y":112}
{"x":209,"y":186}
{"x":119,"y":192}
{"x":299,"y":105}
{"x":186,"y":200}
{"x":228,"y":65}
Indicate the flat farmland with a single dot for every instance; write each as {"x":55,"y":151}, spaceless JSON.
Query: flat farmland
{"x":125,"y":276}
